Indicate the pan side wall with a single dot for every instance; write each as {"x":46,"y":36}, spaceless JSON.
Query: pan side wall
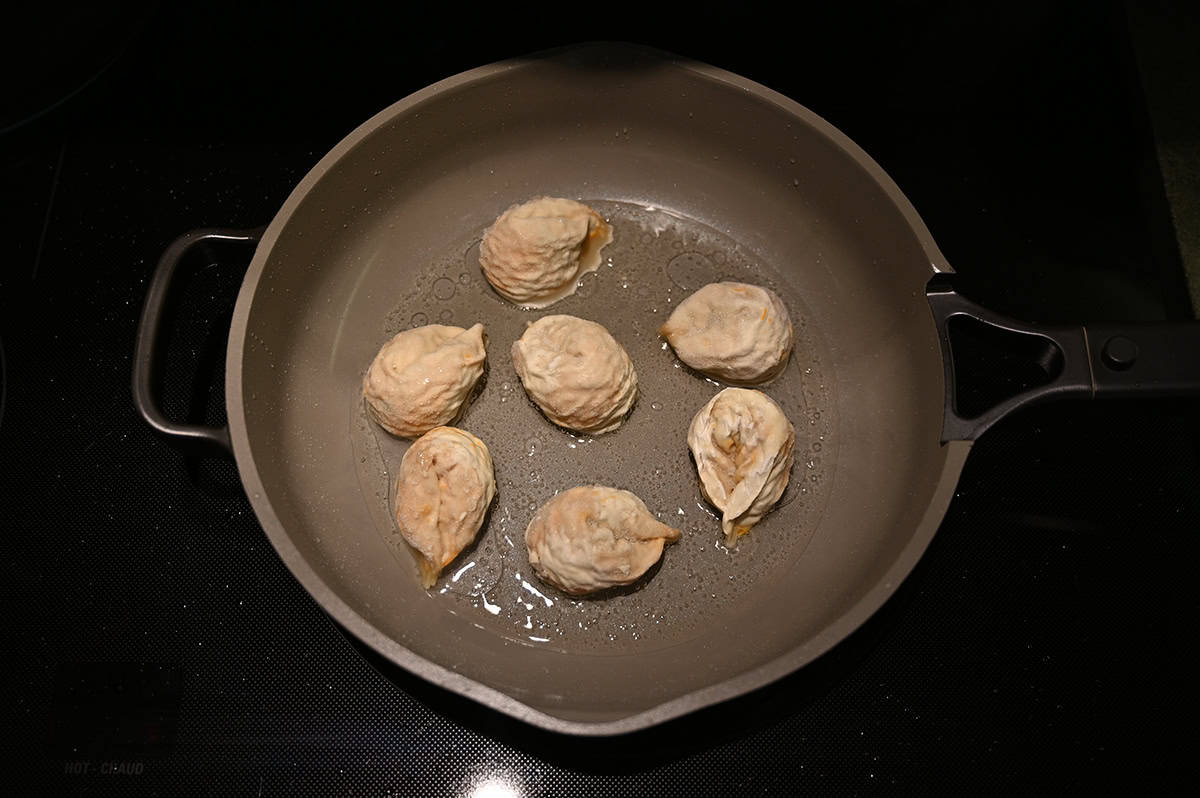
{"x":627,"y":128}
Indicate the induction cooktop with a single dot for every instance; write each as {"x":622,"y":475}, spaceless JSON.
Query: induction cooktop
{"x":155,"y":644}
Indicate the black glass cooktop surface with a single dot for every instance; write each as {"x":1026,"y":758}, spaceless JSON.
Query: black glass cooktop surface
{"x":154,"y":642}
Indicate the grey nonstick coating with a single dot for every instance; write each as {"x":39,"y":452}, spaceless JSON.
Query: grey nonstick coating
{"x":704,"y":175}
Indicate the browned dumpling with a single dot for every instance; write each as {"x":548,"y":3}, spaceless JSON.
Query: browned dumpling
{"x":736,"y":332}
{"x":421,"y":377}
{"x":445,"y":485}
{"x":535,"y":253}
{"x":576,"y":372}
{"x":591,"y":537}
{"x":742,"y":443}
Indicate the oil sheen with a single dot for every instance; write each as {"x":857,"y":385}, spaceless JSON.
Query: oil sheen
{"x":657,"y":258}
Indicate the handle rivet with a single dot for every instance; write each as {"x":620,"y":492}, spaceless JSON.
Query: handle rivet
{"x":1119,"y":353}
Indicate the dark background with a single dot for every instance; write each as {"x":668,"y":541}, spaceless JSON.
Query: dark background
{"x":153,"y":641}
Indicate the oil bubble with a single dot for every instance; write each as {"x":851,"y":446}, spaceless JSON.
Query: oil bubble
{"x":587,"y":285}
{"x":443,"y":288}
{"x":690,"y":270}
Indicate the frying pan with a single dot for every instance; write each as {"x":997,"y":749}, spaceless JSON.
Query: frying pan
{"x":705,"y":175}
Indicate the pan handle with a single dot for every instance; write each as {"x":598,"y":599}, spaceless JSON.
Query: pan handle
{"x":1157,"y":359}
{"x":147,"y":352}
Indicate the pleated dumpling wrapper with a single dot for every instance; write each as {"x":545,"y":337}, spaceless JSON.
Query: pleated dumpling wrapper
{"x":535,"y":253}
{"x":736,"y":332}
{"x":421,"y":377}
{"x":742,"y":443}
{"x":445,"y":485}
{"x":591,"y":538}
{"x":576,"y":372}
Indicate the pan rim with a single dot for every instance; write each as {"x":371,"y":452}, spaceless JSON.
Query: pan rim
{"x":356,"y":624}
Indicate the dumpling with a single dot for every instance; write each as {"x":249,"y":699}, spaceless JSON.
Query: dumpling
{"x":535,"y":253}
{"x":592,"y":537}
{"x":445,"y":485}
{"x":736,"y":332}
{"x":742,"y":443}
{"x":420,"y":379}
{"x":576,"y":372}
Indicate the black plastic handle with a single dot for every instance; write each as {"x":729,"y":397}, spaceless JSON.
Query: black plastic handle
{"x":146,"y":353}
{"x":1145,"y":360}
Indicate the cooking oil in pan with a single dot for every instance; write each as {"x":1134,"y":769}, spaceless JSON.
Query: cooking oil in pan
{"x":655,"y":260}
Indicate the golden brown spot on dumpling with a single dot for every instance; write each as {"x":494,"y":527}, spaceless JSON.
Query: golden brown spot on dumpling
{"x":742,"y":444}
{"x":443,"y":490}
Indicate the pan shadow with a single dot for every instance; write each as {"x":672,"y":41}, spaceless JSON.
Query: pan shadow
{"x":476,"y":392}
{"x":704,"y":730}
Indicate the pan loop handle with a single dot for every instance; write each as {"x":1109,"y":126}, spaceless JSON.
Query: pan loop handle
{"x":1156,"y":359}
{"x":147,"y":353}
{"x":1062,"y":353}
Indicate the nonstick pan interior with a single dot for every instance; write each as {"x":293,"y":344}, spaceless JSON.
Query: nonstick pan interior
{"x":704,"y":176}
